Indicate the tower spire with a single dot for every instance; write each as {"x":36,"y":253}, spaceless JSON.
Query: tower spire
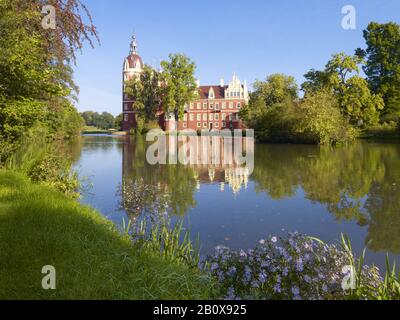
{"x":133,"y":45}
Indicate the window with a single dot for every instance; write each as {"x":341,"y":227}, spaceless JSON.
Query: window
{"x":238,"y":105}
{"x":185,"y":125}
{"x":204,"y":124}
{"x":204,"y":116}
{"x":216,"y":116}
{"x":223,"y":124}
{"x":230,"y":105}
{"x":217,"y":106}
{"x":223,"y":116}
{"x":205,"y":106}
{"x":211,"y":106}
{"x":185,"y":117}
{"x":126,"y":118}
{"x":211,"y":117}
{"x":191,"y":105}
{"x":198,"y":117}
{"x":217,"y":125}
{"x":198,"y":124}
{"x":125,"y":106}
{"x":191,"y":117}
{"x":231,"y":117}
{"x":198,"y":105}
{"x":223,"y":105}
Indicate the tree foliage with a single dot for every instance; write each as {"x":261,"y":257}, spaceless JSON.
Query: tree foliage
{"x":321,"y":120}
{"x":277,"y":88}
{"x":383,"y":63}
{"x":36,"y":83}
{"x":102,"y":120}
{"x":341,"y":77}
{"x":146,"y":93}
{"x":179,"y":84}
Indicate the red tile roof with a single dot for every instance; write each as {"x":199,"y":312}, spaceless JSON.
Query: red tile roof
{"x":218,"y":91}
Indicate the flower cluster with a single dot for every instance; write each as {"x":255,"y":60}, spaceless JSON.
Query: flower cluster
{"x":296,"y":267}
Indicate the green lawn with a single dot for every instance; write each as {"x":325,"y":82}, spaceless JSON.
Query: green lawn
{"x":39,"y":226}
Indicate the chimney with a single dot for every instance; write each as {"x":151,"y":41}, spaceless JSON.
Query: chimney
{"x":222,"y":83}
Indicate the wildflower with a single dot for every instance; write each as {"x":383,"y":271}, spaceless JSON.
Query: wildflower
{"x":230,"y":294}
{"x":307,"y":278}
{"x":232,"y":271}
{"x":299,"y":265}
{"x":274,"y":239}
{"x":247,"y":274}
{"x":265,"y":264}
{"x":262,"y":277}
{"x":285,"y":271}
{"x":296,"y":293}
{"x":324,"y":288}
{"x":262,"y":241}
{"x":277,"y":288}
{"x":214,"y":266}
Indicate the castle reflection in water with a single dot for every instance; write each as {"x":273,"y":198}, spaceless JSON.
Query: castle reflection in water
{"x":215,"y":163}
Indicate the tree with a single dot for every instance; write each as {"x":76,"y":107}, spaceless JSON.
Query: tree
{"x":178,"y":84}
{"x":383,"y":63}
{"x":276,"y":89}
{"x":35,"y":62}
{"x":272,"y":110}
{"x":146,"y":92}
{"x":341,"y":78}
{"x":103,"y":121}
{"x":322,"y":120}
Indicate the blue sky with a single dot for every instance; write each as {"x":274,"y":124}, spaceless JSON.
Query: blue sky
{"x":253,"y":38}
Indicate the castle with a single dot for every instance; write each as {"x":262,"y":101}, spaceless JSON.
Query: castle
{"x":217,"y":106}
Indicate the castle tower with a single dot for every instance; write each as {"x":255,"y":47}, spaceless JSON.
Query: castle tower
{"x":132,"y":68}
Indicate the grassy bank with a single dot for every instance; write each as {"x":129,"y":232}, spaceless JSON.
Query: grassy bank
{"x":40,"y":226}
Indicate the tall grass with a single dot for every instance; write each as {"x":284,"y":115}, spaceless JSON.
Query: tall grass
{"x":388,"y":288}
{"x":172,"y":241}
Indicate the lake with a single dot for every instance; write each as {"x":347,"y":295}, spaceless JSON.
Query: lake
{"x":319,"y":191}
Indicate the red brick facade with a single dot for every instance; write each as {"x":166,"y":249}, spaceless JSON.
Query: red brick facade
{"x":217,"y":106}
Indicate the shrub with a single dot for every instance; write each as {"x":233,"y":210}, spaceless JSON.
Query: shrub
{"x":296,"y":267}
{"x":54,"y":170}
{"x":322,"y":120}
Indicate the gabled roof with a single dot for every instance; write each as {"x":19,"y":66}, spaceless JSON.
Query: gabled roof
{"x":218,"y":91}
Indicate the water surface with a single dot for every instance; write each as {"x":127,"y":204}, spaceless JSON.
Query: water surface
{"x":314,"y":190}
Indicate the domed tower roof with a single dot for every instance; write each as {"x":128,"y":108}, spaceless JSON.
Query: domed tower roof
{"x":134,"y":60}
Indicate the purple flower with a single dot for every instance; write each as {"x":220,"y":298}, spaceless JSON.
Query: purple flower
{"x":232,"y":271}
{"x":214,"y":266}
{"x":262,"y":277}
{"x":230,"y":294}
{"x":299,"y":265}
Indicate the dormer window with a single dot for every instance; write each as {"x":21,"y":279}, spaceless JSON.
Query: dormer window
{"x":211,"y":94}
